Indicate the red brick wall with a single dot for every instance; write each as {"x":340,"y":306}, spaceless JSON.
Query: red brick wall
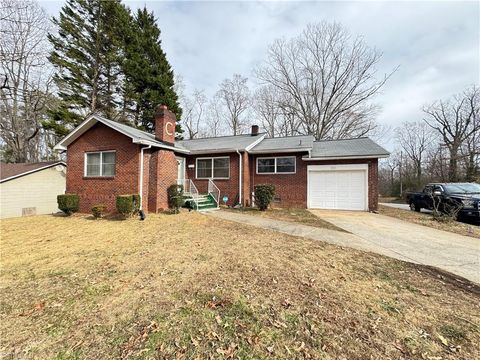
{"x":227,"y":187}
{"x":99,"y":190}
{"x":246,"y":189}
{"x":165,"y":124}
{"x":162,"y":167}
{"x":160,"y":171}
{"x":291,"y":189}
{"x":147,"y":155}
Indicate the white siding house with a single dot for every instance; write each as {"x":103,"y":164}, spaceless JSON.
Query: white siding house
{"x":31,"y":189}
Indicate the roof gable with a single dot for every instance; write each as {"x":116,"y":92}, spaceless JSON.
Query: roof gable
{"x":137,"y":136}
{"x":12,"y":171}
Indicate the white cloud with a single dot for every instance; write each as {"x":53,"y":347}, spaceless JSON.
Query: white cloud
{"x":436,"y":44}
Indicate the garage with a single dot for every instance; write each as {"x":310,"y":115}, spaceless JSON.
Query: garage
{"x":340,"y":187}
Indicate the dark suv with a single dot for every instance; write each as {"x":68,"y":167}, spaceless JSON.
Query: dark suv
{"x":448,"y":195}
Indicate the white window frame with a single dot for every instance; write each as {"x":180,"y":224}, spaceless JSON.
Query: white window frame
{"x":212,"y":158}
{"x":275,"y":165}
{"x":101,"y":163}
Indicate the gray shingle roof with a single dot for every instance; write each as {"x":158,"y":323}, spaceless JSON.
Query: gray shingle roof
{"x":290,"y":143}
{"x":325,"y":149}
{"x":134,"y":133}
{"x":347,"y":148}
{"x":12,"y":171}
{"x":219,"y":144}
{"x":137,"y":136}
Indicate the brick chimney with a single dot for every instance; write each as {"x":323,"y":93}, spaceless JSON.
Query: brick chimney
{"x":254,"y":130}
{"x":165,"y":122}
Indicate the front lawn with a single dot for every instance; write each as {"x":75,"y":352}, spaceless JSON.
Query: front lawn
{"x":192,"y":286}
{"x":301,"y":216}
{"x":456,"y":227}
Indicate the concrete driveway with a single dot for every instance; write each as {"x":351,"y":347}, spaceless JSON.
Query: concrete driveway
{"x":411,"y":242}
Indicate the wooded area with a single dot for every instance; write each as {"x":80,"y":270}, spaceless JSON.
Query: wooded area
{"x":442,"y":147}
{"x":95,"y":57}
{"x":100,"y":56}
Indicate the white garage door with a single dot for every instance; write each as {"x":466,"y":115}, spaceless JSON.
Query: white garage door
{"x":343,"y":189}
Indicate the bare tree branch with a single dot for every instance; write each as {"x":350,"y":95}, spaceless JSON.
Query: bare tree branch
{"x":326,"y":79}
{"x":25,"y":91}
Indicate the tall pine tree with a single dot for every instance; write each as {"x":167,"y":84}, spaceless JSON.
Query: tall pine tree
{"x":108,"y":62}
{"x":149,"y":79}
{"x":87,"y":55}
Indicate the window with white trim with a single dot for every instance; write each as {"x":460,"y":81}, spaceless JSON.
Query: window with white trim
{"x":101,"y":163}
{"x":216,"y":168}
{"x":276,"y":165}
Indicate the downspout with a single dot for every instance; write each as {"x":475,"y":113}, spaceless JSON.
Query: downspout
{"x":140,"y":186}
{"x":240,"y":178}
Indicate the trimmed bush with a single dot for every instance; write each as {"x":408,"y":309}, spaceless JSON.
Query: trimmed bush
{"x":128,"y":205}
{"x":98,"y":211}
{"x":68,"y":203}
{"x":264,"y":194}
{"x":175,"y":197}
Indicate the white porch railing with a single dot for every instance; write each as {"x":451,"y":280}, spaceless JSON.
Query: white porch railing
{"x":214,"y":191}
{"x":190,"y":189}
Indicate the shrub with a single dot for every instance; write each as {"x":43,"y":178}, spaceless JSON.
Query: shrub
{"x":136,"y":203}
{"x":128,"y":205}
{"x":99,"y":211}
{"x":68,"y":203}
{"x":175,"y":196}
{"x":264,"y":194}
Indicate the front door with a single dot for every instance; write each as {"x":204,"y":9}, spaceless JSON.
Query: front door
{"x":180,"y":170}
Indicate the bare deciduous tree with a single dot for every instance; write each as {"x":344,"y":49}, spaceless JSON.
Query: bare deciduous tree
{"x":455,"y":120}
{"x":234,"y":95}
{"x":215,"y":124}
{"x":266,"y":109}
{"x":415,"y":139}
{"x":328,"y":80}
{"x":25,"y":92}
{"x":193,"y":113}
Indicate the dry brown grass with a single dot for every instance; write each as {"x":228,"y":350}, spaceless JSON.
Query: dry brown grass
{"x":391,"y":199}
{"x":425,"y":219}
{"x":302,"y":216}
{"x":190,"y":286}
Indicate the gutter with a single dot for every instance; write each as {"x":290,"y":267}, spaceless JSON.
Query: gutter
{"x":161,"y":146}
{"x":279,"y":151}
{"x":140,"y":185}
{"x":240,"y":178}
{"x":345,"y":157}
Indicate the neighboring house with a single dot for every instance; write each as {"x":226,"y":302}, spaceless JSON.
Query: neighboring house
{"x":106,"y":159}
{"x":30,"y":189}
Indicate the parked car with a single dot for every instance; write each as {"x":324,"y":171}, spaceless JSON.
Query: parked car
{"x":446,"y":196}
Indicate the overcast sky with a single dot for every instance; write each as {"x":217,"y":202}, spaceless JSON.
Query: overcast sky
{"x":435,"y":43}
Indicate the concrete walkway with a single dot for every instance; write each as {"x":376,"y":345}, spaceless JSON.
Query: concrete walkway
{"x":383,"y":235}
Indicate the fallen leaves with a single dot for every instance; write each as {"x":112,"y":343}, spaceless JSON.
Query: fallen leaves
{"x":38,"y":307}
{"x":229,"y":352}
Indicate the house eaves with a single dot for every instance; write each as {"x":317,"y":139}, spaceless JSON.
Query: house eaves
{"x":33,"y":171}
{"x":345,"y":157}
{"x":137,"y":136}
{"x":271,"y":151}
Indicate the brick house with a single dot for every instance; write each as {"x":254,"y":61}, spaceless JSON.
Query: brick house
{"x":106,"y":159}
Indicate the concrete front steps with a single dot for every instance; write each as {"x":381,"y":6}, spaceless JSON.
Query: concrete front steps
{"x":204,"y":202}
